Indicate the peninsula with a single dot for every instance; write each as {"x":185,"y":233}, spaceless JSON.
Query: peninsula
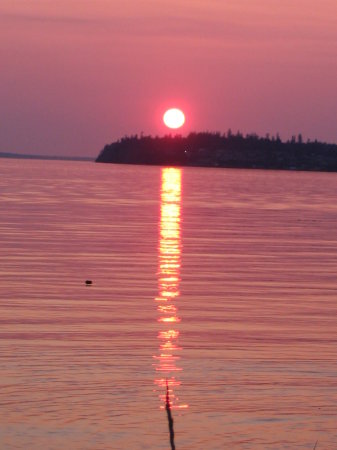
{"x":223,"y":150}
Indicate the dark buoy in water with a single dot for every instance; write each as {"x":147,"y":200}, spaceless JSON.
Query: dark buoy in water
{"x":88,"y":282}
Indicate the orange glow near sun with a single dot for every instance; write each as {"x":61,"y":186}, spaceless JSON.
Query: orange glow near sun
{"x":174,"y":118}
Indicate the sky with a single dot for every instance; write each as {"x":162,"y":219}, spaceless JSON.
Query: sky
{"x":78,"y":74}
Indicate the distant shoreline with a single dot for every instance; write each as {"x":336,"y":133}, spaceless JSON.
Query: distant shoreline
{"x":43,"y":157}
{"x":224,"y":151}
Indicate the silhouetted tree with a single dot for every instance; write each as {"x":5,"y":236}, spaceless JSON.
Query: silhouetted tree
{"x":214,"y":149}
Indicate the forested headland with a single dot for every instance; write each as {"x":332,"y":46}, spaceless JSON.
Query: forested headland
{"x":222,"y":150}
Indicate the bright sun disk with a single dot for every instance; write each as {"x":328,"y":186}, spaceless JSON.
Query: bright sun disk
{"x":174,"y":118}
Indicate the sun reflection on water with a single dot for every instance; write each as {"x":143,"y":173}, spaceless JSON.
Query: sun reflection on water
{"x":169,"y":253}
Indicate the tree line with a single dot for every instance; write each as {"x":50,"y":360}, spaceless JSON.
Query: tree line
{"x":215,"y":149}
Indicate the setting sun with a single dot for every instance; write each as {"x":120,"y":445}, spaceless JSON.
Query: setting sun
{"x":174,"y":118}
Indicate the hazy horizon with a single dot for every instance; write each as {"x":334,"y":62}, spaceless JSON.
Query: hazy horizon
{"x":77,"y":75}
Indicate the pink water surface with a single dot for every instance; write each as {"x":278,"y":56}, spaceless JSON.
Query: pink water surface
{"x":221,"y":281}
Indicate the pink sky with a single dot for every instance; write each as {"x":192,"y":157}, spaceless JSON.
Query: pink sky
{"x":78,"y":74}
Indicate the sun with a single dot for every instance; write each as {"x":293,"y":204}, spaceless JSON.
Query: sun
{"x":174,"y":118}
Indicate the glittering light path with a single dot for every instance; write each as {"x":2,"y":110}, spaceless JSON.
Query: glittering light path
{"x":169,"y":252}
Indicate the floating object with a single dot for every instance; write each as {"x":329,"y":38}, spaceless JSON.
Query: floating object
{"x":87,"y":282}
{"x":169,"y":417}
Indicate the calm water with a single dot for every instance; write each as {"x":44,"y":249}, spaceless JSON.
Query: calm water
{"x":222,"y":282}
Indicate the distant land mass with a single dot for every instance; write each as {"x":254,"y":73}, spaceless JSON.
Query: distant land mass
{"x":46,"y":157}
{"x":230,"y":150}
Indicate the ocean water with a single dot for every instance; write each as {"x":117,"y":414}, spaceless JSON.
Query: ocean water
{"x":220,"y":284}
